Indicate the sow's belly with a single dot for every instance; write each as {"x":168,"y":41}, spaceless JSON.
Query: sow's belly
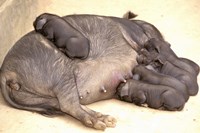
{"x":98,"y":79}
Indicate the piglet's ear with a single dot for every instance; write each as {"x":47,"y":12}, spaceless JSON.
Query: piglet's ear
{"x":156,"y":44}
{"x":152,"y":44}
{"x":157,"y":48}
{"x":38,"y":24}
{"x":124,"y":90}
{"x":160,"y":60}
{"x":169,"y":45}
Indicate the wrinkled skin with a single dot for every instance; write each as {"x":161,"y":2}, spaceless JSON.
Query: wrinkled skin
{"x":37,"y":76}
{"x":159,"y":54}
{"x":64,"y":36}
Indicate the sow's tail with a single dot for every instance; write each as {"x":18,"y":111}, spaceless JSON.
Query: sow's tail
{"x":7,"y":95}
{"x":129,"y":15}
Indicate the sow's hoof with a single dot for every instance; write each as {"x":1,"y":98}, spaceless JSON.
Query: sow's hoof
{"x":108,"y":120}
{"x":100,"y":122}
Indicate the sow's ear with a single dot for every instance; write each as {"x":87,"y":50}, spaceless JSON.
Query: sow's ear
{"x":39,"y":23}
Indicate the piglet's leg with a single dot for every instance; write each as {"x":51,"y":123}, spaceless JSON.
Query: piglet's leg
{"x":77,"y":47}
{"x":49,"y":34}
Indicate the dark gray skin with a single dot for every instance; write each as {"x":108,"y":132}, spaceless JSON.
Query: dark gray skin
{"x":162,"y":62}
{"x":64,"y":36}
{"x":36,"y":76}
{"x":139,"y":92}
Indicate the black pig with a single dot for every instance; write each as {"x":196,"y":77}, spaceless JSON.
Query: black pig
{"x":155,"y":89}
{"x":65,"y":37}
{"x":159,"y":54}
{"x":155,"y":96}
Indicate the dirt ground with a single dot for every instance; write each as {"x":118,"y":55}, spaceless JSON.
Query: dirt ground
{"x":178,"y":20}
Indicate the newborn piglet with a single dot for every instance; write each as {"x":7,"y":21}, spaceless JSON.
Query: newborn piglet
{"x":154,"y":89}
{"x":155,"y":96}
{"x":164,"y":52}
{"x":183,"y":69}
{"x":63,"y":35}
